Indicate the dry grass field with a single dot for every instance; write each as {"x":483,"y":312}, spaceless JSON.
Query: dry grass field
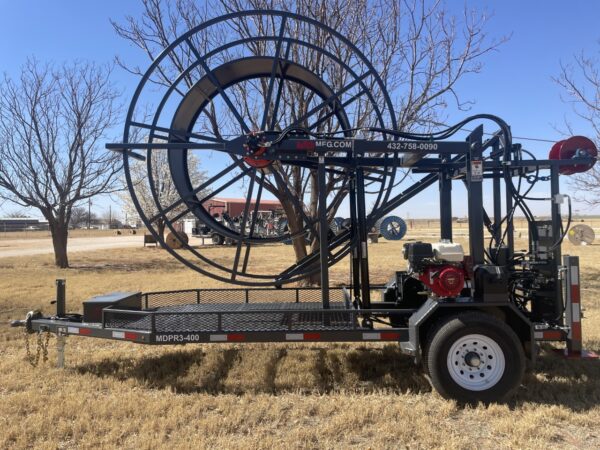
{"x":263,"y":396}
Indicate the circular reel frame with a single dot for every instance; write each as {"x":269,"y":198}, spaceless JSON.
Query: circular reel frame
{"x":181,"y":130}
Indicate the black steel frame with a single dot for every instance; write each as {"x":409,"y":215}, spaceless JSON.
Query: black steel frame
{"x":177,"y":137}
{"x":361,"y":161}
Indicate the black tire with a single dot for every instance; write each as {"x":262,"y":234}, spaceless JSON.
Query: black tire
{"x":454,"y":343}
{"x":217,"y":239}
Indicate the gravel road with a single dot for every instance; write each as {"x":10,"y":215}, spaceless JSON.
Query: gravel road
{"x":28,"y":247}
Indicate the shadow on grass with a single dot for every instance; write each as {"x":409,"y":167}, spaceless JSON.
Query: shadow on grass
{"x":145,"y":266}
{"x":570,"y":383}
{"x":322,"y":370}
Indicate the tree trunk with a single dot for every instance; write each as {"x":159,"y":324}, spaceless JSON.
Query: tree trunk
{"x":160,"y":226}
{"x":60,"y":232}
{"x":299,"y":243}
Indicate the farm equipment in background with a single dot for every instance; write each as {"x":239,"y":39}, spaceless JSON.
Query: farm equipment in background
{"x":391,"y":228}
{"x":471,"y":316}
{"x":265,"y":224}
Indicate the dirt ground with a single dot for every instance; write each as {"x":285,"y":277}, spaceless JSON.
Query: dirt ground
{"x":263,"y":395}
{"x":43,"y":246}
{"x":39,"y":243}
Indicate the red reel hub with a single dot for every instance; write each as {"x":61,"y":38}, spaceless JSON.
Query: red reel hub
{"x":254,"y":149}
{"x":574,"y":147}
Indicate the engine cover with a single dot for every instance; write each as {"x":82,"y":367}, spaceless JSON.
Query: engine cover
{"x":444,"y":280}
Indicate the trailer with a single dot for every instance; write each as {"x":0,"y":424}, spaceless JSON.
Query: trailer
{"x":471,"y":319}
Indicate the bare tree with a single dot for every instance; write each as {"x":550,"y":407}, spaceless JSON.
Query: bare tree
{"x":79,"y":217}
{"x":420,"y":50}
{"x":53,"y":121}
{"x":166,"y":193}
{"x":18,"y":214}
{"x":581,"y":83}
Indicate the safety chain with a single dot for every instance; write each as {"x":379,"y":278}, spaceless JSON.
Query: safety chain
{"x":41,"y":348}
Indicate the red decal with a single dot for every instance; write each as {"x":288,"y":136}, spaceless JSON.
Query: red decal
{"x":576,"y":331}
{"x":131,"y":336}
{"x":554,"y":335}
{"x":574,"y":293}
{"x":305,"y":145}
{"x":312,"y":336}
{"x":85,"y":331}
{"x":390,"y":336}
{"x":236,"y":337}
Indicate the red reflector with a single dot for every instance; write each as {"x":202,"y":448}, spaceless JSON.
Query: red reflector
{"x":557,"y":335}
{"x":132,"y":336}
{"x":312,"y":336}
{"x":236,"y":337}
{"x":390,"y":336}
{"x":85,"y":331}
{"x":576,"y":331}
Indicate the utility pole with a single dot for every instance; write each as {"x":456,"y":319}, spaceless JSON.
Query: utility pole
{"x":109,"y":216}
{"x":89,"y":212}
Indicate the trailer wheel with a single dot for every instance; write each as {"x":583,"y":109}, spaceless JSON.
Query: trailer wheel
{"x":217,"y":239}
{"x":474,"y":357}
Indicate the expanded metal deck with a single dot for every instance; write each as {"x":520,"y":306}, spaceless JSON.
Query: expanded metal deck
{"x":227,"y":317}
{"x":236,"y":310}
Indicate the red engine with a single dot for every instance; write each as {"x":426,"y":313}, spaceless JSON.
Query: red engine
{"x":444,"y":280}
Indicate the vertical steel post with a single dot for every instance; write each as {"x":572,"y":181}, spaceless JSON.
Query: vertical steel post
{"x":573,"y":306}
{"x":497,"y":196}
{"x":445,"y":183}
{"x":355,"y":260}
{"x":362,"y":237}
{"x":510,"y":229}
{"x":61,"y":298}
{"x":323,"y":232}
{"x":60,"y":350}
{"x":475,"y":196}
{"x":556,"y":231}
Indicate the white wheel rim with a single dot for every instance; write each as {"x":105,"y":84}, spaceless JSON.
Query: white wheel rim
{"x":476,"y":362}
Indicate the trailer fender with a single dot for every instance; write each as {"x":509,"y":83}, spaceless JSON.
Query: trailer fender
{"x":432,"y":311}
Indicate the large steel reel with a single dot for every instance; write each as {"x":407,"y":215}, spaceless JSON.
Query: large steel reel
{"x":265,"y":74}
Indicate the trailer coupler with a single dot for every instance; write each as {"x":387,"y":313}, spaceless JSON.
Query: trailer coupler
{"x":31,"y":315}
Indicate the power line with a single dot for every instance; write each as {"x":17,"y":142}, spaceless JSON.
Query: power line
{"x":516,"y":137}
{"x":533,"y":139}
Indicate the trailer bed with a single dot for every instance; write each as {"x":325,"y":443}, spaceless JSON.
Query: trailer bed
{"x":225,"y":315}
{"x":231,"y":317}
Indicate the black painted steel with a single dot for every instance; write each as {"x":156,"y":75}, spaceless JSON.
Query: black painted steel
{"x":445,"y":183}
{"x":556,"y":251}
{"x":475,"y":197}
{"x":219,"y":82}
{"x":61,"y":298}
{"x":497,"y":195}
{"x":259,"y":150}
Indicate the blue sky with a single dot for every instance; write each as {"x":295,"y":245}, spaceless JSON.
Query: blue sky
{"x":515,"y":82}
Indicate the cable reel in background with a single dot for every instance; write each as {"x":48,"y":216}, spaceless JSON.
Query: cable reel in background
{"x":393,"y":228}
{"x":337,"y":225}
{"x":581,"y":234}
